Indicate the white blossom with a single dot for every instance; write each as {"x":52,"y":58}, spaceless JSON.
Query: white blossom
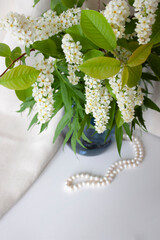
{"x":97,"y":102}
{"x":145,"y":13}
{"x":73,"y":56}
{"x":26,"y":29}
{"x":117,"y":13}
{"x":43,"y":91}
{"x":127,"y":98}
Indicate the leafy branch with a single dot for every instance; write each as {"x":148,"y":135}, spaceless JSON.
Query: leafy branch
{"x":16,"y":60}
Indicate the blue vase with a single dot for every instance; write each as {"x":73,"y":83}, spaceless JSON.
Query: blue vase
{"x":98,"y":144}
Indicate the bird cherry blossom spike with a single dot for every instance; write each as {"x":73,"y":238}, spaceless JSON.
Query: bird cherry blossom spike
{"x":81,"y":180}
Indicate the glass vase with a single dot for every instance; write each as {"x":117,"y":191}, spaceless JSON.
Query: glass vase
{"x":98,"y":144}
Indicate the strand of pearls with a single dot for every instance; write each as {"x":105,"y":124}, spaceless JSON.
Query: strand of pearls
{"x":80,"y":180}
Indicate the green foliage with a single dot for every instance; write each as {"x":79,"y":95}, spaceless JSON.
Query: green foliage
{"x":148,"y":76}
{"x":80,"y":3}
{"x":119,"y":138}
{"x":154,"y":63}
{"x":62,"y":123}
{"x":34,"y":121}
{"x":131,"y":2}
{"x":48,"y":47}
{"x":98,"y":30}
{"x":155,"y":37}
{"x":127,"y":130}
{"x":150,"y":104}
{"x":24,"y":94}
{"x":134,"y":75}
{"x":140,"y":55}
{"x":139,"y":116}
{"x":54,"y":3}
{"x":35,"y":2}
{"x":111,"y":115}
{"x":69,"y":3}
{"x":92,"y":54}
{"x":58,"y":6}
{"x":28,"y":104}
{"x":130,"y":26}
{"x":16,"y":53}
{"x":78,"y":35}
{"x":129,"y":45}
{"x":19,"y":78}
{"x":109,"y":88}
{"x":125,"y":76}
{"x":5,"y":50}
{"x":119,"y":119}
{"x":101,"y":67}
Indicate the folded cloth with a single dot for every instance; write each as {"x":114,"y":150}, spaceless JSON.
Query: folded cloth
{"x":23,"y":154}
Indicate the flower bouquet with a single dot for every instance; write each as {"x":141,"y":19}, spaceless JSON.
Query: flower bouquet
{"x":96,"y":64}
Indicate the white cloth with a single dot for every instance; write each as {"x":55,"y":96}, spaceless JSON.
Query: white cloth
{"x":23,"y":154}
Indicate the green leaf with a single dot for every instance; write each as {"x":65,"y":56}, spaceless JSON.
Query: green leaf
{"x":78,"y":35}
{"x":16,"y":53}
{"x":62,"y":123}
{"x":155,"y":37}
{"x":19,"y":78}
{"x":5,"y":50}
{"x":154,"y":63}
{"x":34,"y":121}
{"x":92,"y":54}
{"x":80,"y":3}
{"x":8,"y":62}
{"x":119,"y":138}
{"x":130,"y":26}
{"x":134,"y":75}
{"x":27,"y":50}
{"x":35,"y":2}
{"x":101,"y":67}
{"x":119,"y":119}
{"x":65,"y":96}
{"x":125,"y":76}
{"x":149,"y":76}
{"x":48,"y":47}
{"x":111,"y":114}
{"x":54,"y":3}
{"x":127,"y":130}
{"x":69,"y":3}
{"x":139,"y":114}
{"x":44,"y":126}
{"x":140,"y":55}
{"x":150,"y":104}
{"x":98,"y":30}
{"x":131,"y":2}
{"x":24,"y":94}
{"x":29,"y":103}
{"x":131,"y":46}
{"x":59,"y":8}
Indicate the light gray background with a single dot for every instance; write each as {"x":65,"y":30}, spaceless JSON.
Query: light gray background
{"x":128,"y":209}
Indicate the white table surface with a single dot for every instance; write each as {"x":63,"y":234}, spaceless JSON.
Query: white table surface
{"x":128,"y":209}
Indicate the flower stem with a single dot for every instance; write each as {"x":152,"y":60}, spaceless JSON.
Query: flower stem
{"x":16,"y":60}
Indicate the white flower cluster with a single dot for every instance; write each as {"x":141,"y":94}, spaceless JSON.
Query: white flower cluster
{"x":127,"y":98}
{"x":97,"y":102}
{"x":145,"y":13}
{"x":43,"y":91}
{"x":117,"y":13}
{"x":73,"y":56}
{"x":27,"y":30}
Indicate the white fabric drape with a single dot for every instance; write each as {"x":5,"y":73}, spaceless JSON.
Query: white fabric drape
{"x":23,"y":154}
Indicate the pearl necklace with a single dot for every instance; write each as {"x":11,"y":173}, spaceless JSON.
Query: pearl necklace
{"x":80,"y":180}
